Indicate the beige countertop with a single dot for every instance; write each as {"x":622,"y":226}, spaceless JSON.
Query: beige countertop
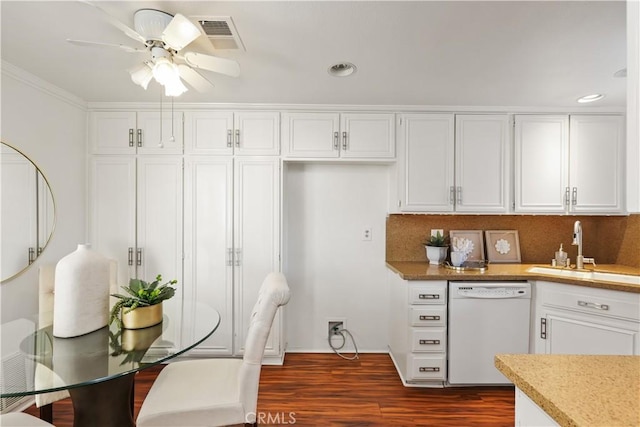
{"x":411,"y":270}
{"x":577,"y":390}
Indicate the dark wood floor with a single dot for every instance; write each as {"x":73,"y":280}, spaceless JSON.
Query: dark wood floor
{"x":325,"y":390}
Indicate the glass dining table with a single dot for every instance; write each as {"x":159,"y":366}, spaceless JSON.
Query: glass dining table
{"x":98,"y":369}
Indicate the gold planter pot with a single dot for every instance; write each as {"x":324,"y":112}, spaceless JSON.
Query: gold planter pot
{"x":142,"y":317}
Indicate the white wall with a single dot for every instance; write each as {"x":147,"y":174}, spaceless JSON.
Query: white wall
{"x":49,"y":126}
{"x":332,"y":271}
{"x":633,"y":106}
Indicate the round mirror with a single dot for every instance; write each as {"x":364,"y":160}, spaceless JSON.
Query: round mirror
{"x":26,"y":209}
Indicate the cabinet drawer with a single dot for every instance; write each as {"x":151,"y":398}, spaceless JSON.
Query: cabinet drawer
{"x":432,"y":293}
{"x":602,"y":302}
{"x":428,"y":316}
{"x":427,"y":367}
{"x":428,"y":339}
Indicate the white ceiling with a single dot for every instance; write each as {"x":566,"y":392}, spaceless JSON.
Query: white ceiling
{"x":449,"y":53}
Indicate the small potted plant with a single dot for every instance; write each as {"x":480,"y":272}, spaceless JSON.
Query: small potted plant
{"x":436,"y":248}
{"x":142,"y":307}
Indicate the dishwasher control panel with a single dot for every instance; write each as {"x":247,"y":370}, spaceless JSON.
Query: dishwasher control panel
{"x":490,"y":290}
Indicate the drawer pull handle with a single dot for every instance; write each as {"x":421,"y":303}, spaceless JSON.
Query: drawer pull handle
{"x":429,"y":317}
{"x":593,"y":305}
{"x":429,"y":342}
{"x":429,"y":369}
{"x":428,"y":296}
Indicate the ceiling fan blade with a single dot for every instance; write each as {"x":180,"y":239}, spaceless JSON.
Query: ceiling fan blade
{"x":180,"y":32}
{"x":194,"y":78}
{"x":126,"y":48}
{"x":116,"y":23}
{"x":212,"y":63}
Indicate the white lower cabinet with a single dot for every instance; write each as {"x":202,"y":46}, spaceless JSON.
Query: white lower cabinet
{"x":418,"y":330}
{"x":529,"y":414}
{"x":232,"y":229}
{"x":580,"y":320}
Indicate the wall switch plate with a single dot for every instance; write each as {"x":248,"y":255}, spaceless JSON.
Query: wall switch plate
{"x":367,"y":234}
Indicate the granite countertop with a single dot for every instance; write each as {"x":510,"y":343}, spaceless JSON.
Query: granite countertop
{"x":578,"y":390}
{"x":411,"y":270}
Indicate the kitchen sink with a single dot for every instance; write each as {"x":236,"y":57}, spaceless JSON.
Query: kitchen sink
{"x":587,"y":275}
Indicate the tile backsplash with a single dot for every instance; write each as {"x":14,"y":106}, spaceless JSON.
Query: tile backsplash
{"x":608,"y":239}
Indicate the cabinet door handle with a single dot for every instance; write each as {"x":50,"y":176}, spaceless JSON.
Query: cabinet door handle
{"x":344,"y":140}
{"x":139,"y":137}
{"x":543,"y":328}
{"x":422,"y":317}
{"x":230,"y":257}
{"x":238,"y":138}
{"x":139,"y":256}
{"x":429,"y":369}
{"x":566,"y":196}
{"x":32,"y":256}
{"x":131,"y":138}
{"x":229,"y":139}
{"x":130,"y":256}
{"x":452,"y":195}
{"x":237,"y":257}
{"x":429,"y":342}
{"x":459,"y":197}
{"x":574,"y":196}
{"x":595,"y":305}
{"x":428,"y":296}
{"x":336,"y":140}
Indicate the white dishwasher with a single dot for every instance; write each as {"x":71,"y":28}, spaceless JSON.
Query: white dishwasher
{"x":486,"y":318}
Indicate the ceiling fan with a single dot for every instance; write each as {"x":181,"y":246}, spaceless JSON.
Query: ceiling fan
{"x":165,"y":36}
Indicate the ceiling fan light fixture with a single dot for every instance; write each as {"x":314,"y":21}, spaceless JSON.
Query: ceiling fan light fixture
{"x":175,"y":88}
{"x":141,"y":75}
{"x":180,"y":32}
{"x":164,"y":71}
{"x":590,"y":98}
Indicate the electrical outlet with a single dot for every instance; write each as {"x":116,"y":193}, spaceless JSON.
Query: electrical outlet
{"x":366,"y":234}
{"x":335,"y":326}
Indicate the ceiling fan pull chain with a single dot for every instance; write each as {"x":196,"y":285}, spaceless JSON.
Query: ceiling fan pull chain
{"x":161,"y":145}
{"x":173,"y":138}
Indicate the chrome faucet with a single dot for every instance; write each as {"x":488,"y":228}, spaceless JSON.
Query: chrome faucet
{"x":577,"y":241}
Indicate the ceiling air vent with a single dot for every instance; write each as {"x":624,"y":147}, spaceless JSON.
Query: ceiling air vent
{"x":221,"y":32}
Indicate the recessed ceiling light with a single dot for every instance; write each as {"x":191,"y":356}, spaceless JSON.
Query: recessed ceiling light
{"x":620,"y":73}
{"x":342,"y":69}
{"x":590,"y":98}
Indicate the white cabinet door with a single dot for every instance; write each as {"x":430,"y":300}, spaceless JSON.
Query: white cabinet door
{"x":427,"y":160}
{"x":311,"y":135}
{"x":256,"y":240}
{"x":113,"y":132}
{"x":367,"y":135}
{"x":541,"y":163}
{"x":596,"y":155}
{"x":112,"y":201}
{"x":334,"y":135}
{"x":208,"y":132}
{"x":208,"y":244}
{"x":257,"y":133}
{"x":482,"y":163}
{"x":126,"y":132}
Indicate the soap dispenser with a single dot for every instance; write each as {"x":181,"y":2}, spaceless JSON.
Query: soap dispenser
{"x":561,"y":257}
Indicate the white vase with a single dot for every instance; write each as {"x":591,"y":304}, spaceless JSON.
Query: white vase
{"x":457,"y":258}
{"x":436,"y":254}
{"x":81,"y":298}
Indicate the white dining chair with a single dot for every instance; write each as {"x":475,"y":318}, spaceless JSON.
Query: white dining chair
{"x":217,"y":392}
{"x":20,"y":419}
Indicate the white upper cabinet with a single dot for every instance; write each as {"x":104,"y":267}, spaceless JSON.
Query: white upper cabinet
{"x":127,"y":132}
{"x":595,"y":164}
{"x":336,"y":135}
{"x":568,"y":164}
{"x":255,"y":133}
{"x":482,"y":163}
{"x":454,"y":163}
{"x":426,"y":153}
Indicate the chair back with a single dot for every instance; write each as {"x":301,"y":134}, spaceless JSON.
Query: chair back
{"x":273,"y":293}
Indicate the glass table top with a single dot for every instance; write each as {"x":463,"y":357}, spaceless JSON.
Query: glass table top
{"x":34,"y":361}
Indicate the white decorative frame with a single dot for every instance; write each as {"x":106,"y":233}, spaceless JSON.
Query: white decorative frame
{"x":477,"y":254}
{"x":503,"y":246}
